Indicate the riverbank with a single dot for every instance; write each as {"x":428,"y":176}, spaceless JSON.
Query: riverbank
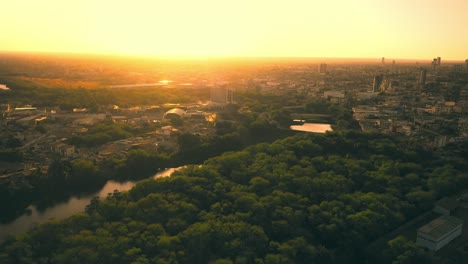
{"x":34,"y":216}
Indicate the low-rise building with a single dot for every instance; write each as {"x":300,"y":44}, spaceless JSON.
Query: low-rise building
{"x":174,"y":113}
{"x":363,"y":111}
{"x":63,"y":149}
{"x":90,"y":120}
{"x":463,"y":127}
{"x":28,"y":121}
{"x":333,"y":94}
{"x":446,"y":205}
{"x":366,"y":95}
{"x":438,"y":233}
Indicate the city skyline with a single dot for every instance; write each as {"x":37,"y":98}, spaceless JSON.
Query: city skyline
{"x":346,"y":29}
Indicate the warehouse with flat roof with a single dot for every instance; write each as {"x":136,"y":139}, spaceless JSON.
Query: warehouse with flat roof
{"x":438,"y":233}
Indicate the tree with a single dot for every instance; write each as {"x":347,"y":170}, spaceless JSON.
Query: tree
{"x":402,"y":251}
{"x":13,"y":142}
{"x":60,"y":171}
{"x":84,"y":173}
{"x":188,"y":142}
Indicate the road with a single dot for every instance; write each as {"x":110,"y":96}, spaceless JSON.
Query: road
{"x":34,"y":141}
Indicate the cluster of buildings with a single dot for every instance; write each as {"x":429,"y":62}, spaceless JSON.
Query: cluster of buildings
{"x":427,"y":102}
{"x":428,"y":106}
{"x":40,"y":147}
{"x":442,"y":230}
{"x":411,"y":98}
{"x":25,"y":116}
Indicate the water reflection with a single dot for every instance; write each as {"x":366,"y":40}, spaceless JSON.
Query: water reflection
{"x":75,"y":204}
{"x":312,"y":127}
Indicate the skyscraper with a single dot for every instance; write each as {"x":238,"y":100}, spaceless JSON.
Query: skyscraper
{"x":377,"y":82}
{"x":393,"y":68}
{"x":383,"y":61}
{"x":438,"y":61}
{"x":221,"y":95}
{"x":323,"y":68}
{"x":422,"y":76}
{"x":434,"y":64}
{"x":466,"y":64}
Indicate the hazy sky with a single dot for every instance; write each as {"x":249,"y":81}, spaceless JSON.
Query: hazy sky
{"x":419,"y":29}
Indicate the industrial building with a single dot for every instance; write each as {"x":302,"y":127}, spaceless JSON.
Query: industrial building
{"x":24,"y":111}
{"x":446,"y":206}
{"x":438,"y":233}
{"x":174,"y":113}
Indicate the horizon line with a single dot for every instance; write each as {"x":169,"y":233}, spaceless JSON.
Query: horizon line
{"x":202,"y":57}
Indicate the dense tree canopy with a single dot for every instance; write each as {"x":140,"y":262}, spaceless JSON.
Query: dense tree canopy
{"x":303,"y":199}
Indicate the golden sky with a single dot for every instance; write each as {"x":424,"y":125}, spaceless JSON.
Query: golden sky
{"x":417,"y":29}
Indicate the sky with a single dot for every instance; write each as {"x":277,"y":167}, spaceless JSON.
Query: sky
{"x":412,"y":29}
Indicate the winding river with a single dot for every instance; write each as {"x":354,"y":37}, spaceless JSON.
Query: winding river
{"x":74,"y":205}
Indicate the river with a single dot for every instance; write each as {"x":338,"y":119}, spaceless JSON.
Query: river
{"x":74,"y":205}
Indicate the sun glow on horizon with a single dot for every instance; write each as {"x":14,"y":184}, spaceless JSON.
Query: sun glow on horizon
{"x":296,"y":28}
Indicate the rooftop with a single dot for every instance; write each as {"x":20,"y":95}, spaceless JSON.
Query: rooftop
{"x":441,"y":226}
{"x":448,"y":203}
{"x":175,"y":111}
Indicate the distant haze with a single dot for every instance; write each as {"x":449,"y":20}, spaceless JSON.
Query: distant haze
{"x":416,"y":29}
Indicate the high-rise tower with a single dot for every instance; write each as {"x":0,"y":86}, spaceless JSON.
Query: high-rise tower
{"x":323,"y":68}
{"x":434,"y":64}
{"x":422,"y":76}
{"x":221,"y":95}
{"x":377,"y":82}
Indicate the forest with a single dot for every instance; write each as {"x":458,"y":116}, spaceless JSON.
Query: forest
{"x":67,"y":95}
{"x":265,"y":121}
{"x":308,"y":198}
